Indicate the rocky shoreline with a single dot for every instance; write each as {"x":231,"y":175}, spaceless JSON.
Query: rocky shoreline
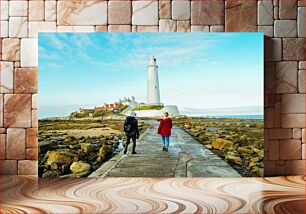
{"x":75,"y":148}
{"x":238,"y":141}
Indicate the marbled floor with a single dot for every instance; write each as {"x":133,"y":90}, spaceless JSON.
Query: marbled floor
{"x":26,"y":194}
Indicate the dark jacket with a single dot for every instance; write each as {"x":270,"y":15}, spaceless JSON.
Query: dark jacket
{"x":131,"y":127}
{"x":165,"y":127}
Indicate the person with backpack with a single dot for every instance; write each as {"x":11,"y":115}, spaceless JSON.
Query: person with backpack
{"x":164,"y":130}
{"x":131,"y":131}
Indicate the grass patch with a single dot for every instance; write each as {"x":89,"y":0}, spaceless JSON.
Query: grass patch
{"x":139,"y":108}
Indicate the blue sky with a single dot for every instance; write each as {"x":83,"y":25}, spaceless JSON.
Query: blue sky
{"x":196,"y":70}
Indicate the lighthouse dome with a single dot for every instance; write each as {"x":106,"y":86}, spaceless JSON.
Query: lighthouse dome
{"x":152,"y":60}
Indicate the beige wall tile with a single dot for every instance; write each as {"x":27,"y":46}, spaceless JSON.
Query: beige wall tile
{"x":50,"y":10}
{"x":145,"y":13}
{"x":8,"y":167}
{"x":167,"y":25}
{"x":75,"y":28}
{"x":27,"y":167}
{"x":32,"y":138}
{"x":25,"y":80}
{"x":17,"y":110}
{"x":4,"y":12}
{"x":301,"y":81}
{"x":36,"y":10}
{"x":164,"y":9}
{"x":11,"y":49}
{"x":7,"y":77}
{"x":18,"y":27}
{"x":4,"y":29}
{"x":183,"y":26}
{"x":81,"y":12}
{"x":119,"y":28}
{"x":119,"y":12}
{"x":36,"y":27}
{"x":15,"y":144}
{"x":293,"y":103}
{"x":286,"y":77}
{"x":18,"y":8}
{"x":180,"y":10}
{"x":29,"y":53}
{"x":207,"y":12}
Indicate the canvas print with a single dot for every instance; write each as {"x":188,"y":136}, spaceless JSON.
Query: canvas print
{"x":150,"y":105}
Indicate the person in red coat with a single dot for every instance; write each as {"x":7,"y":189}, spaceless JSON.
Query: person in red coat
{"x":164,"y":130}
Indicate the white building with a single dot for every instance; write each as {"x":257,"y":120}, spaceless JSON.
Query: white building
{"x":153,"y":94}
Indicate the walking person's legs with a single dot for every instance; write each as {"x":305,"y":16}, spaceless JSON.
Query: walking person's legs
{"x":167,"y":141}
{"x":134,"y":145}
{"x":128,"y":139}
{"x":163,"y":142}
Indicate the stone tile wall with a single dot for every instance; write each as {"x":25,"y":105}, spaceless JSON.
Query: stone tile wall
{"x":282,"y":21}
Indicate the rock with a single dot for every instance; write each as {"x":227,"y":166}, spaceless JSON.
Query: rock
{"x":260,"y":172}
{"x":220,"y":143}
{"x":53,"y":166}
{"x":202,"y":138}
{"x":254,"y":169}
{"x":187,"y":126}
{"x":256,"y":159}
{"x":199,"y":127}
{"x":244,"y":150}
{"x":261,"y":154}
{"x":51,"y":174}
{"x":244,"y":138}
{"x":235,"y":159}
{"x":61,"y":157}
{"x":73,"y":146}
{"x":232,"y":153}
{"x":45,"y":146}
{"x":86,"y":147}
{"x":65,"y":168}
{"x":76,"y":175}
{"x":208,"y":146}
{"x":79,"y":166}
{"x":57,"y":139}
{"x":104,"y":152}
{"x":256,"y":150}
{"x":193,"y":130}
{"x":62,"y":146}
{"x":70,"y":139}
{"x":252,"y":164}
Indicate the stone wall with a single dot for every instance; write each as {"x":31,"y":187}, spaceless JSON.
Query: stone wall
{"x":282,"y":21}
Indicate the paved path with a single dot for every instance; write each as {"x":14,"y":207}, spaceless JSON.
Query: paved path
{"x":185,"y":158}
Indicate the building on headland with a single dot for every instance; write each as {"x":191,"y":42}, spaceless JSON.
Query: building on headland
{"x":127,"y":101}
{"x":82,"y":110}
{"x":111,"y":106}
{"x":116,"y":105}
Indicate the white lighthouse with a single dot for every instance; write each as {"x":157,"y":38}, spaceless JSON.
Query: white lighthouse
{"x":153,"y":96}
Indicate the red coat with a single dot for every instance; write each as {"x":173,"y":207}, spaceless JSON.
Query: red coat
{"x":165,"y":127}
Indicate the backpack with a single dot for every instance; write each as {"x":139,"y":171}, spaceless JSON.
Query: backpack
{"x":128,"y":126}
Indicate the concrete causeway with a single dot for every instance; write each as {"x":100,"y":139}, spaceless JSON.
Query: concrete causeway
{"x":185,"y":158}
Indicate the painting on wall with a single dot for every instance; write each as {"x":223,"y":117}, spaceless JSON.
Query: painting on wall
{"x":150,"y":105}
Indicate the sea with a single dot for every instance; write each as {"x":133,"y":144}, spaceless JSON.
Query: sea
{"x":249,"y":116}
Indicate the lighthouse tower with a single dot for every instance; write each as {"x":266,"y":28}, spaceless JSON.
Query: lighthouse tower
{"x":153,"y":96}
